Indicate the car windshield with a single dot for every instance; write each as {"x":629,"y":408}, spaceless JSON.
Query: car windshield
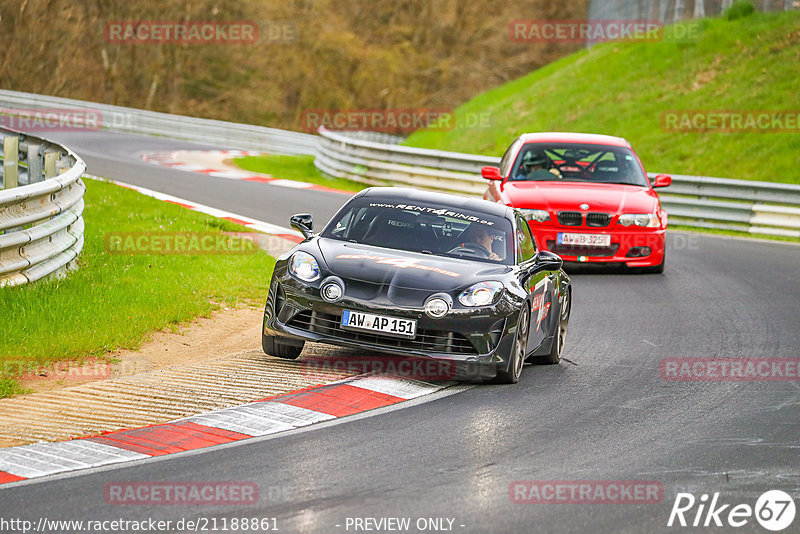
{"x":574,"y":162}
{"x":428,"y":228}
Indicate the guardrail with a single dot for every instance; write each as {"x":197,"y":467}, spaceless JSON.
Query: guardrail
{"x":697,"y":201}
{"x":369,"y":162}
{"x":376,"y":159}
{"x":41,"y":208}
{"x":220,"y":134}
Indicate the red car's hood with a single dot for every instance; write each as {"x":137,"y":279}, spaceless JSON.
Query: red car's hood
{"x":558,"y":196}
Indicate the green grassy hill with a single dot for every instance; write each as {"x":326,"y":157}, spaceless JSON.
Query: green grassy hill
{"x":751,"y":63}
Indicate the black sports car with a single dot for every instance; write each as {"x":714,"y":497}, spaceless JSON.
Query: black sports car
{"x":415,"y":273}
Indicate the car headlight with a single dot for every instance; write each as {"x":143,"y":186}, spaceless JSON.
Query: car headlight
{"x":304,"y":266}
{"x":535,"y":215}
{"x":649,"y":220}
{"x":480,"y":294}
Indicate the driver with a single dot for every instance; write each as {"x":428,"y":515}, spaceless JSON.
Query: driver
{"x":480,"y":237}
{"x":536,"y":167}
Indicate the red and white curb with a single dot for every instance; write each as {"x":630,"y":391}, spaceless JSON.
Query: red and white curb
{"x":275,"y":414}
{"x":290,"y":236}
{"x":213,"y":163}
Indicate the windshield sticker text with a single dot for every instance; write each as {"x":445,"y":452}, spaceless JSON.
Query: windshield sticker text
{"x":442,"y":212}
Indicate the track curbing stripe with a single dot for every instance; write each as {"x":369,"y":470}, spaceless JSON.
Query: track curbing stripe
{"x":130,"y":444}
{"x":271,"y":415}
{"x":225,"y":436}
{"x":183,"y":160}
{"x":8,"y":477}
{"x":341,"y":399}
{"x":405,"y":388}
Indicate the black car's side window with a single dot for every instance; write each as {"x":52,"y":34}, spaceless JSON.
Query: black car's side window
{"x":526,"y":245}
{"x":530,"y":235}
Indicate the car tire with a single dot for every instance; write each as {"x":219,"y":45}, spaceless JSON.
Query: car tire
{"x":273,"y":347}
{"x":517,"y":357}
{"x":554,"y":356}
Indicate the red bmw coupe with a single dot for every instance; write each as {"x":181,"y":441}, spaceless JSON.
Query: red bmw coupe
{"x":586,"y":197}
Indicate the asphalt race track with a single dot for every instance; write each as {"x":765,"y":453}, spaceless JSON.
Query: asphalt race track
{"x":118,"y":156}
{"x":606,"y":414}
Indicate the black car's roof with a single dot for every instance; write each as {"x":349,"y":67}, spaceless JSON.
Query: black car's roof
{"x":418,"y":196}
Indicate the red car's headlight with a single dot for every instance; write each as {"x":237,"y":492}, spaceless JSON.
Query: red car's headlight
{"x":647,"y":220}
{"x":535,"y":215}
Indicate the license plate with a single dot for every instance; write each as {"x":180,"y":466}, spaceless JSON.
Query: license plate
{"x":588,"y":240}
{"x":383,"y":324}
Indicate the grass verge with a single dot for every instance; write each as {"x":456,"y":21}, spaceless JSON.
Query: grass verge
{"x":734,"y":233}
{"x":622,"y":89}
{"x":298,"y":168}
{"x":114,"y":301}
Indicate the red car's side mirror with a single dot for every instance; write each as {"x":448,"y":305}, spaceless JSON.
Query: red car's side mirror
{"x":491,"y":173}
{"x":662,"y":180}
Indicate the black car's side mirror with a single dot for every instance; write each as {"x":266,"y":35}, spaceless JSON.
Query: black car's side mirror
{"x":303,"y":223}
{"x":547,"y":261}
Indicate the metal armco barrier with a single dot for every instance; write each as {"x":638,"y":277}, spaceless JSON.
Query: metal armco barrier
{"x":220,"y":134}
{"x":667,"y":12}
{"x":376,"y":159}
{"x":41,"y":207}
{"x":697,"y":201}
{"x":346,"y":156}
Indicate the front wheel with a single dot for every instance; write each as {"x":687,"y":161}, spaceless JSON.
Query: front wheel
{"x":517,"y":357}
{"x":273,"y":347}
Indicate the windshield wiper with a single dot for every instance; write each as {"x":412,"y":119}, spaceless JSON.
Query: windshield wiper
{"x":624,"y":183}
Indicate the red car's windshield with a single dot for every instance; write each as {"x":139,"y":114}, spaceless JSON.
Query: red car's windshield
{"x":574,"y":162}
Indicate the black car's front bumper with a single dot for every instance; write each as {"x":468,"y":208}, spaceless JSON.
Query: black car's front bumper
{"x":473,"y":342}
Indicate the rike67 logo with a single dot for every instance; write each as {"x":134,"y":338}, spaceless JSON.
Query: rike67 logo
{"x":774,"y":510}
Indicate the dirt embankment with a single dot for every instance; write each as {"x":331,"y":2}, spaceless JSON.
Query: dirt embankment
{"x":210,"y":364}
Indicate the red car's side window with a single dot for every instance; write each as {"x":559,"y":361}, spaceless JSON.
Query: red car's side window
{"x":507,"y":160}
